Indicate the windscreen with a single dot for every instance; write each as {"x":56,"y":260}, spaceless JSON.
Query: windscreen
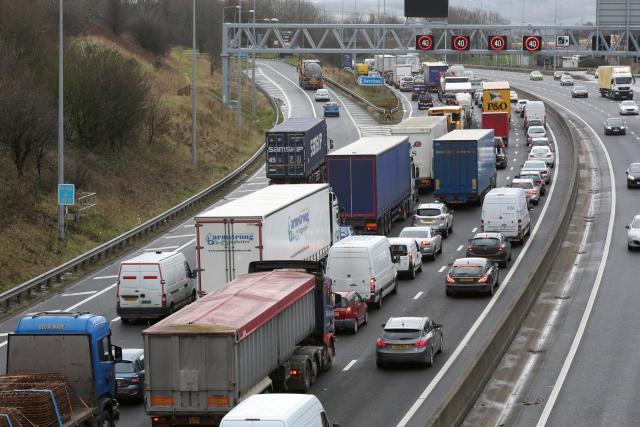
{"x":124,"y":367}
{"x":399,"y":250}
{"x":400,"y":334}
{"x":636,"y":223}
{"x":466,"y":270}
{"x":428,"y":212}
{"x":486,"y":243}
{"x":416,"y":233}
{"x":624,"y":80}
{"x":535,"y":164}
{"x":614,"y":122}
{"x":340,"y":266}
{"x":540,"y":150}
{"x":525,"y":185}
{"x":635,"y":168}
{"x":341,"y":301}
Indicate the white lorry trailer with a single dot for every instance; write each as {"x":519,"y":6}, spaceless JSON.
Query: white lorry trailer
{"x":284,"y":222}
{"x":421,"y":132}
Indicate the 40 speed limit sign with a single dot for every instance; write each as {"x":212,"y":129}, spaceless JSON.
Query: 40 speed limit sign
{"x":497,"y":43}
{"x":460,"y":42}
{"x":532,"y":43}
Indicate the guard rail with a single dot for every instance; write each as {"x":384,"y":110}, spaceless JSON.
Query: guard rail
{"x":118,"y":243}
{"x":386,"y":114}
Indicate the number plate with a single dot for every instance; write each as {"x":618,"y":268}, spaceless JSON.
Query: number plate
{"x":399,"y":347}
{"x":120,"y":382}
{"x":467,"y":280}
{"x":427,"y":221}
{"x":130,"y":297}
{"x":146,"y":301}
{"x":194,"y":420}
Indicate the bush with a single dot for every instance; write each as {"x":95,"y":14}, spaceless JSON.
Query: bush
{"x":151,"y":35}
{"x":105,"y":96}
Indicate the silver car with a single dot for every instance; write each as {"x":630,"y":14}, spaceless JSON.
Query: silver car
{"x":409,"y":339}
{"x":531,"y":190}
{"x":538,"y":165}
{"x":633,"y":235}
{"x":430,"y":243}
{"x":535,"y":132}
{"x":434,"y":215}
{"x":628,"y":107}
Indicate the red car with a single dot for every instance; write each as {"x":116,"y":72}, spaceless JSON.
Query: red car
{"x":350,"y":311}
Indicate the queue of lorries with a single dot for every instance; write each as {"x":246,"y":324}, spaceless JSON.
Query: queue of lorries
{"x":279,"y":271}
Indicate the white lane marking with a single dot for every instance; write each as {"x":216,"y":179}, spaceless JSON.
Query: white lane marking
{"x":465,"y":341}
{"x":344,"y":107}
{"x":185,"y":245}
{"x":508,"y":178}
{"x":548,"y":407}
{"x":511,"y":168}
{"x":418,"y":295}
{"x":105,"y":277}
{"x":189,"y":225}
{"x":515,"y":152}
{"x":474,"y":229}
{"x":177,"y":237}
{"x":254,"y":183}
{"x":442,"y":269}
{"x":96,"y":295}
{"x":115,"y":319}
{"x":244,"y":191}
{"x":459,"y":248}
{"x":349,"y":365}
{"x":160,"y":249}
{"x":313,"y":108}
{"x":77,"y":294}
{"x":289,"y":106}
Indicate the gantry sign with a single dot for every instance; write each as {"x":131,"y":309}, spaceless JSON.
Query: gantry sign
{"x":240,"y":39}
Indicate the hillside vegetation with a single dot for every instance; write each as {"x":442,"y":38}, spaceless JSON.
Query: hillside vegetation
{"x":128,"y":136}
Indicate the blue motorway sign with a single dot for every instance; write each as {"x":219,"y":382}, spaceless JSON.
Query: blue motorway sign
{"x":66,"y":194}
{"x":370,"y":81}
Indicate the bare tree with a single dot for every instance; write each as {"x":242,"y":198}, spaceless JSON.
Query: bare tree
{"x":157,"y":119}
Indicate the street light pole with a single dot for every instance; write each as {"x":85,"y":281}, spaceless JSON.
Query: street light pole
{"x":194,"y":92}
{"x":253,"y":63}
{"x":61,"y":224}
{"x":239,"y":69}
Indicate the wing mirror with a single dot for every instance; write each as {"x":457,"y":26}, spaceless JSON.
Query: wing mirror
{"x":331,"y":144}
{"x":626,"y":172}
{"x":627,"y":227}
{"x":117,"y":353}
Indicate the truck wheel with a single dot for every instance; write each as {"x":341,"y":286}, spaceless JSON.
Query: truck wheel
{"x":106,"y":419}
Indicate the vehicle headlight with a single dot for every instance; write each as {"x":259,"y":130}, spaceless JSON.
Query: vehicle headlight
{"x":609,"y":127}
{"x":631,"y":178}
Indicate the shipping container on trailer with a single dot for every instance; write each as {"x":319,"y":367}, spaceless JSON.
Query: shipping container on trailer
{"x":464,"y":165}
{"x":373,"y":179}
{"x":288,"y":221}
{"x":296,"y":151}
{"x":432,"y":72}
{"x":264,"y":330}
{"x":496,"y":97}
{"x":499,"y":122}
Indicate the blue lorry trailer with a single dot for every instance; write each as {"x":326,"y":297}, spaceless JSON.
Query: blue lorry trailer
{"x":464,"y":166}
{"x":296,"y":151}
{"x":373,"y":179}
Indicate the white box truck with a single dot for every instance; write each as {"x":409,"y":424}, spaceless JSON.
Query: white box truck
{"x":421,"y":132}
{"x":399,"y":72}
{"x":279,"y":222}
{"x":615,"y":82}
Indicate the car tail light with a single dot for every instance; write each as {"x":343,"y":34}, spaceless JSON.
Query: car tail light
{"x":380,"y":343}
{"x":548,"y":154}
{"x":410,"y":258}
{"x":470,"y":248}
{"x":373,"y":285}
{"x":483,"y":279}
{"x":441,"y":217}
{"x":371,"y":226}
{"x":160,"y":420}
{"x":295,"y":372}
{"x":348,"y":310}
{"x":425,"y":243}
{"x":135,"y":380}
{"x":164,"y":300}
{"x":449,"y":279}
{"x":422,"y":343}
{"x":500,"y":249}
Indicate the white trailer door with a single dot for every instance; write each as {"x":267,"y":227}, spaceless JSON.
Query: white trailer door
{"x":225,"y":249}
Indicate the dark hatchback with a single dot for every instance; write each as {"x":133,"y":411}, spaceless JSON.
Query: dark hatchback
{"x":130,"y":375}
{"x":492,"y":246}
{"x":633,"y":175}
{"x":472,"y":275}
{"x":425,"y":101}
{"x":417,"y":91}
{"x":614,"y":126}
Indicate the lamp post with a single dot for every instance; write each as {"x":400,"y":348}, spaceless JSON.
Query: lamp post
{"x":253,"y":64}
{"x":61,"y":118}
{"x":194,"y":90}
{"x":226,"y":75}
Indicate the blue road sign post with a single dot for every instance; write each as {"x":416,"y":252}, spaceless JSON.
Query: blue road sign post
{"x":370,"y":81}
{"x":66,"y":194}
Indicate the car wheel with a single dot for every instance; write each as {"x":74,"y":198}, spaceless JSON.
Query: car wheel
{"x":448,"y":292}
{"x":629,"y":248}
{"x":379,"y":364}
{"x":106,"y":419}
{"x":379,"y":303}
{"x":412,"y":272}
{"x":451,"y":227}
{"x":445,"y":234}
{"x":503,"y":264}
{"x":354,"y":330}
{"x":441,"y":342}
{"x":420,"y":268}
{"x":366,"y":318}
{"x":491,"y":291}
{"x":429,"y":361}
{"x":395,"y":287}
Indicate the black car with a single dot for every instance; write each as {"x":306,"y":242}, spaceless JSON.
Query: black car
{"x":493,"y":246}
{"x":425,"y":101}
{"x":501,"y":159}
{"x":633,"y":175}
{"x":472,"y":275}
{"x":130,"y":375}
{"x":417,"y":91}
{"x":388,"y":79}
{"x":614,"y":126}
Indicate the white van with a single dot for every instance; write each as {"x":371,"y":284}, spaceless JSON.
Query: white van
{"x":153,"y":285}
{"x":407,"y":255}
{"x":363,"y":264}
{"x":278,"y":410}
{"x":505,"y":210}
{"x":534,"y":110}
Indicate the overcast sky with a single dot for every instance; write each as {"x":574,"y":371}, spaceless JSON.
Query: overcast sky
{"x":570,"y":12}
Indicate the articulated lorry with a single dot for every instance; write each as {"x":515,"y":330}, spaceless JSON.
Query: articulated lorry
{"x":385,"y":63}
{"x":421,"y":132}
{"x":296,"y":151}
{"x":374,"y":180}
{"x":310,"y":74}
{"x":496,"y":97}
{"x":432,"y":72}
{"x":499,"y":122}
{"x":65,"y":359}
{"x":288,"y":221}
{"x":464,"y":165}
{"x":615,"y":82}
{"x":270,"y":330}
{"x":399,"y":72}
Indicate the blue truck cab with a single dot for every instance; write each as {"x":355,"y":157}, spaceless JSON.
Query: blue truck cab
{"x":76,"y":346}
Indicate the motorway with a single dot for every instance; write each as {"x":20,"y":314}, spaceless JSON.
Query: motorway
{"x":586,"y":372}
{"x":354,"y":392}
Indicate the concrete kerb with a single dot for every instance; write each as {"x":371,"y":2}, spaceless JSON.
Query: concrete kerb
{"x":466,"y":391}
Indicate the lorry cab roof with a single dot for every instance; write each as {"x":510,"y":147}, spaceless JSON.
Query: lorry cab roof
{"x":63,"y":323}
{"x":263,"y":202}
{"x":465,"y":135}
{"x":369,"y":145}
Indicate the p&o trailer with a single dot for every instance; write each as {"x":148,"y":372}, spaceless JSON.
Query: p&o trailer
{"x":296,"y":151}
{"x":464,"y":165}
{"x":373,"y":179}
{"x":288,"y":221}
{"x":267,"y":330}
